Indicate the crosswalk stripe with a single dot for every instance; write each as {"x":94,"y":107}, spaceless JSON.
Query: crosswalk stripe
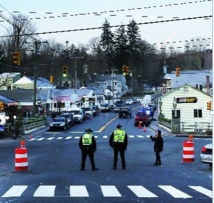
{"x":140,"y":136}
{"x":110,"y":191}
{"x":174,"y":192}
{"x":141,"y":191}
{"x":50,"y":138}
{"x":40,"y":139}
{"x":59,"y":138}
{"x":105,"y":136}
{"x":202,"y":190}
{"x":45,"y":191}
{"x":131,"y":136}
{"x":15,"y":191}
{"x":77,"y":137}
{"x":68,"y":138}
{"x":78,"y":191}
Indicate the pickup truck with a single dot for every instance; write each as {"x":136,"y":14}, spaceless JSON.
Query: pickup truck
{"x":78,"y":115}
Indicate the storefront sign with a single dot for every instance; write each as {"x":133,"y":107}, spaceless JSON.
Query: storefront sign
{"x":186,"y":100}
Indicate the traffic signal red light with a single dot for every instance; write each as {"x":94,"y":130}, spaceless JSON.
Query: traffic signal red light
{"x":64,"y":71}
{"x":209,"y":105}
{"x":17,"y":58}
{"x":177,"y":72}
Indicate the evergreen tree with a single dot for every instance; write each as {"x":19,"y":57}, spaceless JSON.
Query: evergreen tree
{"x":107,"y":43}
{"x":120,"y":47}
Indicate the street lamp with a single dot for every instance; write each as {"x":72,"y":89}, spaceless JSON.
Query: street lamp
{"x":160,"y":105}
{"x":174,"y":104}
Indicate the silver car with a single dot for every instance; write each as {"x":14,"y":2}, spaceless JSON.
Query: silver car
{"x":207,"y":154}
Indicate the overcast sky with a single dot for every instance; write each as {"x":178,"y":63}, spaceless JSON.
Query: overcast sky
{"x":51,"y":15}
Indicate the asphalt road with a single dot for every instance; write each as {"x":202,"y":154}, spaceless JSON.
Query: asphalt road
{"x":54,"y":162}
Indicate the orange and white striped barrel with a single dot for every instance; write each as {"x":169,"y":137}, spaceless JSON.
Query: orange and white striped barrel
{"x":21,"y":159}
{"x":188,"y":151}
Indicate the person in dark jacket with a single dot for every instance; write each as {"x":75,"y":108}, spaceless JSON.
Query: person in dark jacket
{"x":119,"y":141}
{"x":87,"y":144}
{"x":158,"y":146}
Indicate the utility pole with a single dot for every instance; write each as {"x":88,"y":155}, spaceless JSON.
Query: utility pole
{"x":36,"y":43}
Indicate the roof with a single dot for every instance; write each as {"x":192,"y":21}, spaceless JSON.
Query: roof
{"x":107,"y":77}
{"x":175,"y":89}
{"x":191,"y":77}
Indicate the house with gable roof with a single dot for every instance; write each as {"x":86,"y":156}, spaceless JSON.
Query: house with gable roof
{"x":186,"y":106}
{"x":28,"y":83}
{"x":201,"y":79}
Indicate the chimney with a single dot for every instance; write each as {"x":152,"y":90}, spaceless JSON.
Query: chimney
{"x":208,"y":83}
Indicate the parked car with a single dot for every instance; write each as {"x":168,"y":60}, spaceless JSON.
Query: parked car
{"x":105,"y":108}
{"x":59,"y":123}
{"x":78,"y":115}
{"x":125,"y":112}
{"x":96,"y":110}
{"x":129,"y":101}
{"x":88,"y":111}
{"x":143,"y":118}
{"x":69,"y":117}
{"x":207,"y":154}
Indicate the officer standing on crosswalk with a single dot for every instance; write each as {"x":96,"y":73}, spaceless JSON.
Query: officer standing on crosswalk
{"x":119,"y":141}
{"x":87,"y":144}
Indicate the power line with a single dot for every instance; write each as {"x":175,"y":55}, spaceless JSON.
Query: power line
{"x":100,"y":13}
{"x":114,"y":26}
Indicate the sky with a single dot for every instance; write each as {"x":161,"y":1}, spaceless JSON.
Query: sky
{"x":51,"y":16}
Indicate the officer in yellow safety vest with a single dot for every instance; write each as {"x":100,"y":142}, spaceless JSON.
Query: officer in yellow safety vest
{"x":87,"y":144}
{"x":119,"y":141}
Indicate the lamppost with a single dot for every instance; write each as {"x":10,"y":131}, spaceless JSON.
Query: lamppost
{"x":112,"y":86}
{"x":160,"y":105}
{"x":131,"y":75}
{"x":174,"y":104}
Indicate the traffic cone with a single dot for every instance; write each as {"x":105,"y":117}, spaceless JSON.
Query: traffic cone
{"x":144,"y":129}
{"x":139,"y":125}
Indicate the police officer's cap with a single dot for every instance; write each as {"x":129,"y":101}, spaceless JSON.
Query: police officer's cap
{"x":88,"y":130}
{"x":119,"y":125}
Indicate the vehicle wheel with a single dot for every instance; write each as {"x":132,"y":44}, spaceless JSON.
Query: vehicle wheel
{"x":135,"y":124}
{"x":130,"y":115}
{"x":211,"y":165}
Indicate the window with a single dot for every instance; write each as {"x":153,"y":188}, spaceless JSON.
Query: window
{"x":197,"y":113}
{"x":186,"y":89}
{"x":178,"y":113}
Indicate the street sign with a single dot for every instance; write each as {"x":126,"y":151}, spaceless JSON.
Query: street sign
{"x":186,"y":100}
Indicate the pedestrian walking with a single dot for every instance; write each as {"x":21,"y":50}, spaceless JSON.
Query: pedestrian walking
{"x":158,"y":146}
{"x":87,"y":144}
{"x":119,"y":141}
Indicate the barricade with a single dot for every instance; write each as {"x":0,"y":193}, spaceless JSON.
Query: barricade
{"x":21,"y":159}
{"x":144,"y":129}
{"x":188,"y":151}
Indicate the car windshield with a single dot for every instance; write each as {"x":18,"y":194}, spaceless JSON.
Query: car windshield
{"x":59,"y":119}
{"x":141,"y":114}
{"x":75,"y":112}
{"x":87,"y":109}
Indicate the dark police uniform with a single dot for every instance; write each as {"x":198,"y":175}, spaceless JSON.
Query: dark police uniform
{"x":87,"y":144}
{"x":119,"y":141}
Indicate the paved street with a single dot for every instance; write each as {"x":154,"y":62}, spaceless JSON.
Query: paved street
{"x":54,"y":162}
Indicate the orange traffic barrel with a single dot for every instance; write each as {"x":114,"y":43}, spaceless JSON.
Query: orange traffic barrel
{"x":188,"y":151}
{"x":21,"y":158}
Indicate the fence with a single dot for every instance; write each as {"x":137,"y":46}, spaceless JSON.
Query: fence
{"x":195,"y":127}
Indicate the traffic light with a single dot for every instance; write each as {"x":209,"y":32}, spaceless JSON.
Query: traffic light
{"x":177,"y":72}
{"x":209,"y":105}
{"x":64,"y":71}
{"x":125,"y":70}
{"x":17,"y":58}
{"x":51,"y":79}
{"x":1,"y":106}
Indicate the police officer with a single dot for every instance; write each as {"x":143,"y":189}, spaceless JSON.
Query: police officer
{"x":119,"y":141}
{"x":87,"y":144}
